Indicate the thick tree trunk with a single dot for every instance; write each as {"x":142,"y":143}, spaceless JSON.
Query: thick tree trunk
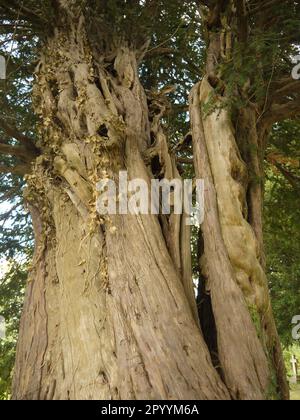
{"x":248,"y":348}
{"x":109,"y":311}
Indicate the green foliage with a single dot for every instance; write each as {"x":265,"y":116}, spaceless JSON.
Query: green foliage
{"x":295,"y":392}
{"x":15,"y":109}
{"x":16,"y":238}
{"x":288,"y":353}
{"x":282,"y":227}
{"x":252,"y":67}
{"x":11,"y":300}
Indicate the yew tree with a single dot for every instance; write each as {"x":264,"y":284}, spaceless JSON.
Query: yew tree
{"x":110,"y":309}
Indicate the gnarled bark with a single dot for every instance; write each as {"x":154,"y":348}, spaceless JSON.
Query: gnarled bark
{"x":229,"y":145}
{"x":231,"y":263}
{"x":108,"y":312}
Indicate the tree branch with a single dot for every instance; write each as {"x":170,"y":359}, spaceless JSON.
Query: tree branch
{"x":159,"y":52}
{"x":293,"y":180}
{"x":13,"y":132}
{"x":186,"y":161}
{"x":20,"y":170}
{"x":13,"y":9}
{"x":10,"y":193}
{"x":263,"y":7}
{"x":16,"y":151}
{"x":280,"y":112}
{"x":284,"y":87}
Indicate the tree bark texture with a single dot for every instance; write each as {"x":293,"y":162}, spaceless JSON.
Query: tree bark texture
{"x":109,"y":311}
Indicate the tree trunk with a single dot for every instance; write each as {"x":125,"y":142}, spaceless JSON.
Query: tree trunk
{"x":232,"y":262}
{"x":109,"y":310}
{"x":229,"y":145}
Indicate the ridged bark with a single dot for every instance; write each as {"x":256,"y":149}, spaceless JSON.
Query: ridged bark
{"x":248,"y":347}
{"x":109,"y":311}
{"x":229,"y":145}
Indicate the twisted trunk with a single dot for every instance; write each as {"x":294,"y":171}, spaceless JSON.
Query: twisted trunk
{"x":109,"y":311}
{"x":230,"y":265}
{"x":228,"y":153}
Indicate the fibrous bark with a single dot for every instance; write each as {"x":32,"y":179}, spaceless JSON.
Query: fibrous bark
{"x":230,"y":264}
{"x":109,"y":313}
{"x":229,"y":149}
